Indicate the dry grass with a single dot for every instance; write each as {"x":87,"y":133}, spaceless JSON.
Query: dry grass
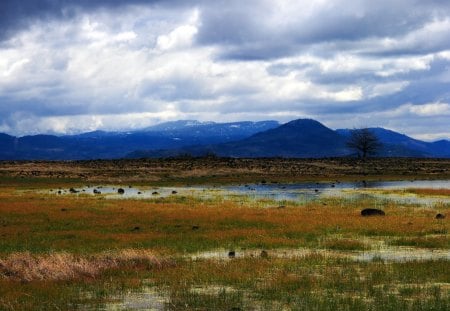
{"x":27,"y":267}
{"x":439,"y":192}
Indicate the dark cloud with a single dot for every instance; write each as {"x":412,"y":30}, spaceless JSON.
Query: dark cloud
{"x":18,"y":14}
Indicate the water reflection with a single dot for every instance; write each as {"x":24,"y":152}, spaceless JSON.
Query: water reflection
{"x":298,"y":192}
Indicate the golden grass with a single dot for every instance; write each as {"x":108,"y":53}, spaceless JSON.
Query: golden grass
{"x":59,"y":266}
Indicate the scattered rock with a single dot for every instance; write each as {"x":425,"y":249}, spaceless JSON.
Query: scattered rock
{"x":195,"y":227}
{"x":155,"y":193}
{"x":372,"y":212}
{"x":231,"y":254}
{"x":264,"y":254}
{"x":174,"y":192}
{"x":96,"y":191}
{"x":120,"y":191}
{"x":136,"y":228}
{"x":72,"y":190}
{"x":139,"y":192}
{"x":440,"y":216}
{"x":316,"y":190}
{"x":59,"y":191}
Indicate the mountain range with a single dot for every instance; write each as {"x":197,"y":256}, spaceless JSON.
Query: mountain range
{"x":298,"y":139}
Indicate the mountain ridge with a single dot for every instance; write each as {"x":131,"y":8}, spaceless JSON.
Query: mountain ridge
{"x":297,"y":138}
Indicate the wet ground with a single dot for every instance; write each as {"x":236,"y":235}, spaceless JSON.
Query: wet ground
{"x":298,"y":192}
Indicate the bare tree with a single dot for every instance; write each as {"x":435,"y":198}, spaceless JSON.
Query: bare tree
{"x":364,"y":142}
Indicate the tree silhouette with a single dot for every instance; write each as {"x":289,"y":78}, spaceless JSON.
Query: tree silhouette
{"x":364,"y":142}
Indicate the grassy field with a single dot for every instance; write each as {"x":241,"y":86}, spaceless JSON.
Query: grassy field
{"x":83,"y":252}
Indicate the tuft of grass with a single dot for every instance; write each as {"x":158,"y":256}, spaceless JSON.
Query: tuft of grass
{"x":26,"y":267}
{"x":344,"y":244}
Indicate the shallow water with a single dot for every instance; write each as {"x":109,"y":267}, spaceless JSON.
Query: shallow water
{"x":298,"y":192}
{"x":392,"y":254}
{"x":146,"y":298}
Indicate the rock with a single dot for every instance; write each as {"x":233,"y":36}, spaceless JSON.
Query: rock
{"x":231,"y":254}
{"x":440,"y":216}
{"x":72,"y":190}
{"x":174,"y":192}
{"x":264,"y":254}
{"x":96,"y":191}
{"x":64,"y":210}
{"x":120,"y":191}
{"x":155,"y":193}
{"x":136,"y":228}
{"x":195,"y":227}
{"x":372,"y":212}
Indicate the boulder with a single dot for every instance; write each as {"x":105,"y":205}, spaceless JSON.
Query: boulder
{"x":372,"y":212}
{"x":440,"y":216}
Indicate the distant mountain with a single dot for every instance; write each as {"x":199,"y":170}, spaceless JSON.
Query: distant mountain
{"x":306,"y":138}
{"x":210,"y":130}
{"x":101,"y":144}
{"x":298,"y":138}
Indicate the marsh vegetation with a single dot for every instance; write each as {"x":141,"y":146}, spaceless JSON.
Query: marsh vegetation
{"x":171,"y":250}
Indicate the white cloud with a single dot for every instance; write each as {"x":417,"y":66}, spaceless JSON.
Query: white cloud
{"x":138,"y":65}
{"x":430,"y":109}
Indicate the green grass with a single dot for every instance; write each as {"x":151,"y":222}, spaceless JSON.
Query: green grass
{"x":179,"y":225}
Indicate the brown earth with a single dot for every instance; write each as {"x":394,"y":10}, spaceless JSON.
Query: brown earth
{"x":224,"y":170}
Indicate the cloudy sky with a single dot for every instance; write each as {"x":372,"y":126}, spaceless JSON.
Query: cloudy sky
{"x":78,"y":65}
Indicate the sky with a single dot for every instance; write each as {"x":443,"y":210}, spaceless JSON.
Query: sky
{"x":69,"y":66}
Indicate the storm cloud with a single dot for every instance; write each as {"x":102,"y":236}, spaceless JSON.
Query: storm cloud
{"x":69,"y":66}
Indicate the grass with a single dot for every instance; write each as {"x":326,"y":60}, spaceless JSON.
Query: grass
{"x":313,"y":283}
{"x":81,"y":252}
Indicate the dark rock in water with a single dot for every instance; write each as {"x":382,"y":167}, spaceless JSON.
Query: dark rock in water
{"x":264,"y":254}
{"x":59,"y":191}
{"x":440,"y":216}
{"x":72,"y":190}
{"x":96,"y":191}
{"x":231,"y":254}
{"x":139,"y":192}
{"x":372,"y":212}
{"x":120,"y":191}
{"x":155,"y":193}
{"x":316,"y":190}
{"x":174,"y":192}
{"x":195,"y":227}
